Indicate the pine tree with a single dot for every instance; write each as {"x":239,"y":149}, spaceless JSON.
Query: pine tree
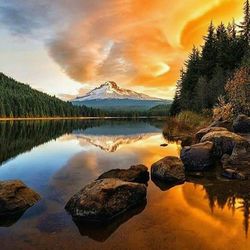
{"x":189,"y":79}
{"x":176,"y":105}
{"x":245,"y":24}
{"x":209,"y":52}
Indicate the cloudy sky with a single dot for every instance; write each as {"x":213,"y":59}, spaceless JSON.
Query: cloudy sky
{"x":67,"y":47}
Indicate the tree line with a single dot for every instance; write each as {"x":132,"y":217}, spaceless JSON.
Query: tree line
{"x":207,"y":70}
{"x":20,"y":100}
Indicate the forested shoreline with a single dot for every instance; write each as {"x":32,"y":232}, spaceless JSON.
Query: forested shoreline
{"x":216,"y":76}
{"x":20,"y":100}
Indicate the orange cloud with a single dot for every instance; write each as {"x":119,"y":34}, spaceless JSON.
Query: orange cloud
{"x":137,"y":43}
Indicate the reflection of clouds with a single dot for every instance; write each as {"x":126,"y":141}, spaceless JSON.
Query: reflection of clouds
{"x":87,"y":165}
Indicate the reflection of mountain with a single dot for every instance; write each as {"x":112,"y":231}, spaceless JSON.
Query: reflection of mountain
{"x":109,"y":137}
{"x":21,"y":136}
{"x":111,"y":143}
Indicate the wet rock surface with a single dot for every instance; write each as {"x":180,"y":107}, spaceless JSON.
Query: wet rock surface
{"x":169,"y":169}
{"x":103,"y":200}
{"x":16,"y":197}
{"x":137,"y":173}
{"x":198,"y":157}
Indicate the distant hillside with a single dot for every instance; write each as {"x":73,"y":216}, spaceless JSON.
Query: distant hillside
{"x":122,"y":104}
{"x":20,"y":100}
{"x":160,"y":110}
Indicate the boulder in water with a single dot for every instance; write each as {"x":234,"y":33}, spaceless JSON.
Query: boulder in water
{"x":16,"y":197}
{"x":105,"y":199}
{"x":168,"y":169}
{"x":137,"y":173}
{"x":198,"y":157}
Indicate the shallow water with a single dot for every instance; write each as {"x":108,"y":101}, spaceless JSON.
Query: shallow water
{"x":57,"y":158}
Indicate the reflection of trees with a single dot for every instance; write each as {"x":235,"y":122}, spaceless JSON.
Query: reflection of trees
{"x":245,"y":208}
{"x":20,"y":136}
{"x":223,"y":193}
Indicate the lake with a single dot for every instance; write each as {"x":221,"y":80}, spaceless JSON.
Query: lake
{"x":57,"y":158}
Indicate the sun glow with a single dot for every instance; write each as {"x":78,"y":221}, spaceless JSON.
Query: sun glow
{"x":136,"y":43}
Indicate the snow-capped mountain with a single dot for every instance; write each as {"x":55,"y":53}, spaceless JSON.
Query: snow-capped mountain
{"x":110,"y":90}
{"x":110,"y":96}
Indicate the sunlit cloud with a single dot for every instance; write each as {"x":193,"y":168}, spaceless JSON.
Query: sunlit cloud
{"x":137,"y":43}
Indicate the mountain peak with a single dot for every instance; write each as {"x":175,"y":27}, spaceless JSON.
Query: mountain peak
{"x":110,"y":90}
{"x":110,"y":84}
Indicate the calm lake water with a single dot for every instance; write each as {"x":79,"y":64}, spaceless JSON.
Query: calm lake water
{"x":57,"y":158}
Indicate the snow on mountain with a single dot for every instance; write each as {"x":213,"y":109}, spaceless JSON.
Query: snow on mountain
{"x":110,"y":90}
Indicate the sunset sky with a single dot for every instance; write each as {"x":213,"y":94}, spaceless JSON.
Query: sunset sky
{"x":67,"y":47}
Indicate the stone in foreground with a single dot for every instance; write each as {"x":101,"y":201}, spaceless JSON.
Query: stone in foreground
{"x":137,"y":173}
{"x":16,"y":197}
{"x":224,"y":142}
{"x":168,"y":169}
{"x":103,"y":200}
{"x":242,"y":124}
{"x":207,"y":130}
{"x":198,"y":157}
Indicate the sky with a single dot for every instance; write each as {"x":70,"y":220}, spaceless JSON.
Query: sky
{"x":68,"y":47}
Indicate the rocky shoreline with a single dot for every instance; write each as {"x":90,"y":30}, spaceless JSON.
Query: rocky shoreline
{"x":116,"y":192}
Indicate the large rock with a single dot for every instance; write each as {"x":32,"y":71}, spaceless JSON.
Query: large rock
{"x":239,"y":160}
{"x":242,"y":124}
{"x":207,"y":130}
{"x":223,"y":124}
{"x":16,"y":197}
{"x":103,"y":200}
{"x":168,"y":169}
{"x":224,"y":142}
{"x":137,"y":173}
{"x":198,"y":157}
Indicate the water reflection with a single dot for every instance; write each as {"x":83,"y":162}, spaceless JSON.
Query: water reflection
{"x":222,"y":193}
{"x":101,"y":232}
{"x":10,"y":219}
{"x":21,"y":136}
{"x":206,"y":212}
